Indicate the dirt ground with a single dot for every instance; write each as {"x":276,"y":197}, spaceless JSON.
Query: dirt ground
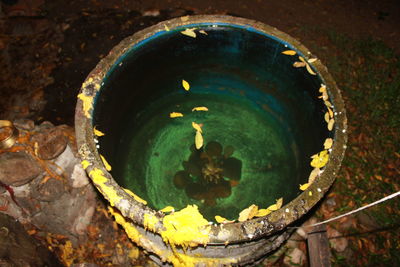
{"x":49,"y":47}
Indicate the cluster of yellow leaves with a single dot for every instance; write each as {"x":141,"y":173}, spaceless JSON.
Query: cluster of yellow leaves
{"x":329,"y":114}
{"x":302,"y":62}
{"x":319,"y":160}
{"x":189,"y":32}
{"x":253,"y":211}
{"x":223,"y":220}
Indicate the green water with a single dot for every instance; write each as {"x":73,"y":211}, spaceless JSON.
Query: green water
{"x":156,"y":146}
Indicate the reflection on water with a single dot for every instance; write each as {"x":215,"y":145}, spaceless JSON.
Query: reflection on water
{"x":209,"y":173}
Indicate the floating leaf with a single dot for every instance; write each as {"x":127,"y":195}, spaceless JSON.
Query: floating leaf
{"x":304,"y":186}
{"x":220,"y":219}
{"x":302,"y":59}
{"x":200,"y":109}
{"x":203,"y":32}
{"x":185,"y":18}
{"x":314,"y":173}
{"x":189,"y":32}
{"x":330,"y":124}
{"x":198,"y":140}
{"x":328,"y":143}
{"x":330,"y":112}
{"x":168,"y":209}
{"x":97,"y":132}
{"x":166,"y":28}
{"x":309,"y":69}
{"x":324,"y":96}
{"x":197,"y":127}
{"x":322,"y":88}
{"x":185,"y":85}
{"x":320,"y":160}
{"x":175,"y":114}
{"x":328,"y":104}
{"x":289,"y":52}
{"x":326,"y":117}
{"x":106,"y":165}
{"x":312,"y":60}
{"x":298,"y":64}
{"x":248,"y":213}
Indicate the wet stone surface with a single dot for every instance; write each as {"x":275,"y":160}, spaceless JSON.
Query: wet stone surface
{"x":17,"y":168}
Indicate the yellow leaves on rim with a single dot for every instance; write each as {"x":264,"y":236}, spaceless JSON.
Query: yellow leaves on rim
{"x":304,"y":186}
{"x":322,"y":88}
{"x":330,"y":112}
{"x":168,"y":209}
{"x":319,"y":160}
{"x":326,"y":117}
{"x":328,"y":143}
{"x":277,"y":205}
{"x":198,"y":140}
{"x":298,"y":64}
{"x":185,"y":85}
{"x":248,"y":213}
{"x":263,"y":212}
{"x":175,"y":114}
{"x":97,"y":132}
{"x":105,"y":163}
{"x":184,"y":18}
{"x":223,"y":220}
{"x":196,"y":126}
{"x":289,"y":52}
{"x":330,"y":124}
{"x":166,"y":28}
{"x":309,"y":69}
{"x":136,"y":197}
{"x":314,"y":173}
{"x":200,"y":109}
{"x":189,"y":32}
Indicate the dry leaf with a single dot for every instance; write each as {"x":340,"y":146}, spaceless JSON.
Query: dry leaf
{"x":197,"y":127}
{"x":309,"y":69}
{"x":185,"y":85}
{"x":175,"y":114}
{"x":326,"y":117}
{"x":322,"y":88}
{"x":248,"y":213}
{"x":220,"y":219}
{"x":166,"y":28}
{"x":106,"y":165}
{"x":262,"y":212}
{"x":189,"y":32}
{"x":304,"y":186}
{"x":203,"y":32}
{"x":330,"y":124}
{"x":200,"y":109}
{"x":314,"y":173}
{"x":198,"y":140}
{"x":168,"y":209}
{"x":185,"y":18}
{"x":328,"y":143}
{"x":328,"y":104}
{"x":302,"y":59}
{"x":330,"y":112}
{"x":319,"y":160}
{"x":298,"y":64}
{"x":289,"y":52}
{"x":97,"y":132}
{"x":277,"y":205}
{"x":312,"y":60}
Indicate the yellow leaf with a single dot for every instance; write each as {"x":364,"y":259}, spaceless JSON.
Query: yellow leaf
{"x":185,"y":85}
{"x":312,"y":60}
{"x":314,"y":173}
{"x":197,"y":127}
{"x":310,"y":193}
{"x":330,"y":112}
{"x":320,"y":160}
{"x":198,"y":140}
{"x":136,"y":197}
{"x":97,"y":132}
{"x":302,"y":59}
{"x":304,"y":186}
{"x":200,"y":109}
{"x":309,"y":69}
{"x":328,"y":143}
{"x":185,"y":18}
{"x":175,"y":114}
{"x":322,"y":88}
{"x":262,"y":212}
{"x":166,"y":28}
{"x":326,"y":117}
{"x":248,"y":213}
{"x":203,"y":32}
{"x":168,"y":209}
{"x":108,"y":166}
{"x":220,"y":219}
{"x":298,"y":64}
{"x":276,"y":206}
{"x":330,"y":124}
{"x":289,"y":52}
{"x":328,"y":104}
{"x":189,"y":32}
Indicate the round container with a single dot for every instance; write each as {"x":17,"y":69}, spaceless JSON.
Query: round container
{"x":219,"y":113}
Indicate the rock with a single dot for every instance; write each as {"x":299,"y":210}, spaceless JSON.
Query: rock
{"x":18,"y":168}
{"x":337,"y":243}
{"x":79,"y":177}
{"x":294,"y":257}
{"x":49,"y":190}
{"x":24,"y":124}
{"x":51,"y":142}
